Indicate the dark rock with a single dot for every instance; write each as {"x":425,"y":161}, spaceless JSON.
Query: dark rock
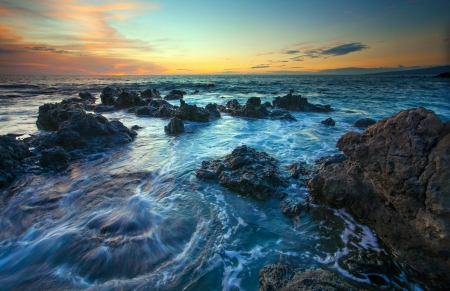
{"x":282,"y":115}
{"x":246,"y":171}
{"x":267,"y":104}
{"x":298,"y":103}
{"x":192,"y":112}
{"x":86,"y":96}
{"x":104,"y":108}
{"x":305,"y":171}
{"x":445,"y":75}
{"x":396,"y":180}
{"x":108,"y":96}
{"x":51,"y":115}
{"x":210,"y":85}
{"x":156,"y":108}
{"x":136,"y":127}
{"x":127,"y":100}
{"x":55,"y":158}
{"x":151,"y":93}
{"x":283,"y":278}
{"x":175,"y":95}
{"x":328,"y":121}
{"x":12,"y":153}
{"x":213,"y":109}
{"x":175,"y":126}
{"x":255,"y":101}
{"x":364,"y":122}
{"x":195,"y":92}
{"x":291,"y":207}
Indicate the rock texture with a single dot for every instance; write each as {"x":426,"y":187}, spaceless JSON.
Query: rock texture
{"x":150,"y":93}
{"x":364,"y":122}
{"x":329,"y":122}
{"x":175,"y":126}
{"x":52,"y":115}
{"x":247,"y":171}
{"x":55,"y":158}
{"x":254,"y":109}
{"x":162,"y":108}
{"x":127,"y":100}
{"x":283,"y":278}
{"x":175,"y":95}
{"x":298,"y":103}
{"x":396,"y":179}
{"x":12,"y":153}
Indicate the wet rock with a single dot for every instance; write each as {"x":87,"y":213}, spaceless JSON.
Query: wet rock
{"x":86,"y":96}
{"x":364,"y":122}
{"x":282,"y":115}
{"x":175,"y":126}
{"x":213,"y":109}
{"x":108,"y":96}
{"x":298,"y":103}
{"x":12,"y":153}
{"x":306,"y":171}
{"x":151,"y":93}
{"x":175,"y":95}
{"x":329,"y":122}
{"x":136,"y":127}
{"x":396,"y":180}
{"x":283,"y":278}
{"x":156,"y":108}
{"x":192,"y":112}
{"x":127,"y":100}
{"x":246,"y":171}
{"x":291,"y":207}
{"x":55,"y":158}
{"x":104,"y":108}
{"x":445,"y":75}
{"x":267,"y":104}
{"x":52,"y":115}
{"x":210,"y":85}
{"x":195,"y":92}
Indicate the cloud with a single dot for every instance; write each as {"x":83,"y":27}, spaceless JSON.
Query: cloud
{"x":47,"y":49}
{"x":291,"y":52}
{"x":6,"y":51}
{"x":260,"y":67}
{"x":187,"y":70}
{"x":297,"y":59}
{"x":264,"y":54}
{"x":344,"y":49}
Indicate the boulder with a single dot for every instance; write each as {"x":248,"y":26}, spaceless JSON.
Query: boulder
{"x":396,"y":180}
{"x":281,"y":115}
{"x":12,"y":153}
{"x":52,"y":115}
{"x":364,"y":122}
{"x":329,"y":121}
{"x":213,"y":109}
{"x":445,"y":75}
{"x":55,"y":158}
{"x":192,"y":112}
{"x":175,"y":95}
{"x":175,"y":126}
{"x":108,"y":95}
{"x":156,"y":108}
{"x":247,"y":171}
{"x":284,"y":278}
{"x":86,"y":96}
{"x":298,"y":103}
{"x":127,"y":100}
{"x":151,"y":93}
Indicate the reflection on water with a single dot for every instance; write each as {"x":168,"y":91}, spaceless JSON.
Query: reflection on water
{"x":136,"y":217}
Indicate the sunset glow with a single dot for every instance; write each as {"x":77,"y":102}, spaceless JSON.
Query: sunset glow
{"x":216,"y":37}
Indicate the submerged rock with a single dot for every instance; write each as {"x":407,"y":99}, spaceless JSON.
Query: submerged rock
{"x":246,"y":171}
{"x":396,"y":180}
{"x":12,"y":153}
{"x":329,"y":122}
{"x":298,"y":103}
{"x":175,"y":126}
{"x":284,"y":278}
{"x":364,"y":122}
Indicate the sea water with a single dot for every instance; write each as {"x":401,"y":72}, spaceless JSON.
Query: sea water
{"x":137,"y":218}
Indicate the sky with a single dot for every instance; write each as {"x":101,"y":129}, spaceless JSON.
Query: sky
{"x":173,"y":37}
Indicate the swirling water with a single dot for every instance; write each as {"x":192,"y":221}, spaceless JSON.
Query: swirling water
{"x":137,"y":218}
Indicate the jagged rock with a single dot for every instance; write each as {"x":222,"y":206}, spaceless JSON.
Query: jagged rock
{"x":291,"y":207}
{"x":298,"y":103}
{"x":127,"y":100}
{"x":108,"y":96}
{"x":175,"y":126}
{"x":364,"y":122}
{"x":175,"y":95}
{"x":104,"y":108}
{"x":192,"y":112}
{"x":445,"y":75}
{"x":329,"y":122}
{"x":213,"y":109}
{"x":396,"y":180}
{"x":282,"y":115}
{"x":151,"y":93}
{"x":156,"y":108}
{"x":55,"y":158}
{"x":52,"y":115}
{"x":305,"y":171}
{"x":86,"y":96}
{"x":246,"y":171}
{"x":284,"y":278}
{"x":12,"y":153}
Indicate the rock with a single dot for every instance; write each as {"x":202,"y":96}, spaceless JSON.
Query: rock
{"x":108,"y":96}
{"x":283,"y":278}
{"x":195,"y":92}
{"x":291,"y":207}
{"x":156,"y":108}
{"x":136,"y":127}
{"x":210,"y":85}
{"x":445,"y":75}
{"x":86,"y":96}
{"x":175,"y":95}
{"x":364,"y":122}
{"x":213,"y":109}
{"x":298,"y":103}
{"x":192,"y":112}
{"x":51,"y":115}
{"x":104,"y":108}
{"x":12,"y":153}
{"x":396,"y":180}
{"x":55,"y":158}
{"x":127,"y":100}
{"x":328,"y":121}
{"x":282,"y":115}
{"x":175,"y":126}
{"x":305,"y":172}
{"x":267,"y":104}
{"x":151,"y":93}
{"x":255,"y":101}
{"x":246,"y":171}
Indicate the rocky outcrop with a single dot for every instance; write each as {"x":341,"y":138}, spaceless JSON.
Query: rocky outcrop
{"x":329,"y":121}
{"x":86,"y":96}
{"x":52,"y":115}
{"x":192,"y":112}
{"x":247,"y":171}
{"x":284,"y":278}
{"x":151,"y":93}
{"x":12,"y":153}
{"x":108,"y":95}
{"x":55,"y":158}
{"x":298,"y":103}
{"x":162,"y":108}
{"x":254,"y":109}
{"x":396,"y":180}
{"x":127,"y":100}
{"x":364,"y":122}
{"x":175,"y":95}
{"x":445,"y":75}
{"x":213,"y":109}
{"x":175,"y":126}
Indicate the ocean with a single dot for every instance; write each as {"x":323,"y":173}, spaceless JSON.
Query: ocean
{"x":137,"y":218}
